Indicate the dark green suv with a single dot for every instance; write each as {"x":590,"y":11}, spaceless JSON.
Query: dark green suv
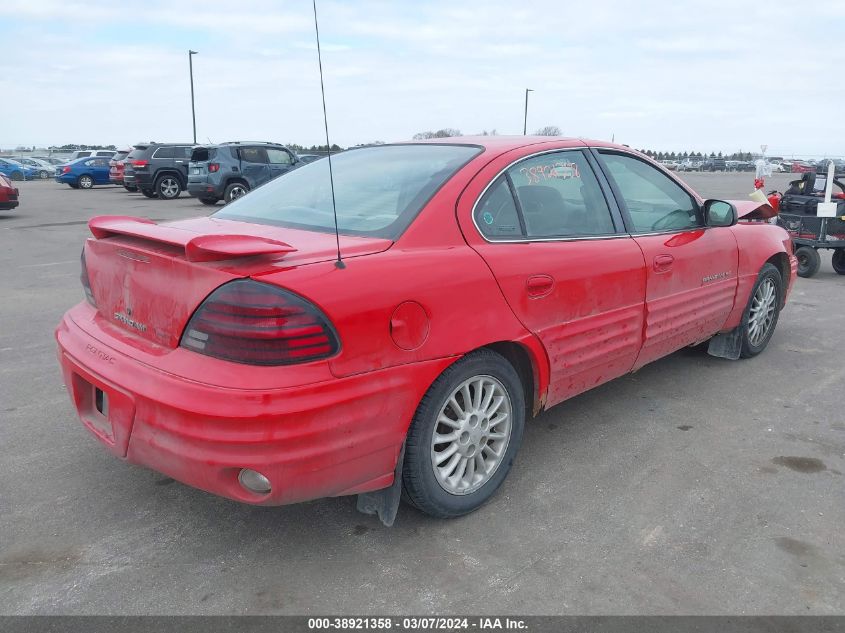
{"x":230,"y":170}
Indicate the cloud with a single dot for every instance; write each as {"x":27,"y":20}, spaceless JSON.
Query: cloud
{"x":654,"y":74}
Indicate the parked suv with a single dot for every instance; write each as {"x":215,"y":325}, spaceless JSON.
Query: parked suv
{"x":158,"y":170}
{"x":229,"y":170}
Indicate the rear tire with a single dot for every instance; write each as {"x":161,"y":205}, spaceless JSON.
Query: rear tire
{"x":43,"y":174}
{"x":761,"y":315}
{"x":476,"y":409}
{"x":85,"y":182}
{"x":234,"y":191}
{"x":838,"y":261}
{"x":148,"y":193}
{"x":209,"y":201}
{"x":16,"y":175}
{"x":168,"y":187}
{"x":808,"y":261}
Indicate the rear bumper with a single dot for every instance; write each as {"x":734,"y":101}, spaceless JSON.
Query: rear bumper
{"x":204,"y":190}
{"x":333,"y":437}
{"x":8,"y":205}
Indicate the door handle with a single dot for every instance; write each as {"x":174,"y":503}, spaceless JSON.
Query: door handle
{"x":539,"y":286}
{"x":662,"y":263}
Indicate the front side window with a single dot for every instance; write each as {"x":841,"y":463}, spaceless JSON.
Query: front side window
{"x":655,"y":202}
{"x":378,"y":190}
{"x":278,"y":156}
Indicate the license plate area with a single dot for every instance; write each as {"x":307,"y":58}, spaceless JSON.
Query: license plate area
{"x":105,"y":410}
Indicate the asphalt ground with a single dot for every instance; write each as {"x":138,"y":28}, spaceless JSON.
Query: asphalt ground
{"x":695,"y":486}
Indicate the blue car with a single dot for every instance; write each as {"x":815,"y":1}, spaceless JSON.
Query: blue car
{"x":15,"y":171}
{"x":84,"y":173}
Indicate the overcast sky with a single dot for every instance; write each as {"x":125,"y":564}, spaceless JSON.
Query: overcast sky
{"x":706,"y":75}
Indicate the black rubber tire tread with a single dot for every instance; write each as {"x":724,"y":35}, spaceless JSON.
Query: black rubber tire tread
{"x":838,"y":261}
{"x":812,"y":261}
{"x":419,"y":484}
{"x":209,"y":201}
{"x":748,"y":350}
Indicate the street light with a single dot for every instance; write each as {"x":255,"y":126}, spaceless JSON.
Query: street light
{"x":191,"y":71}
{"x":525,"y":120}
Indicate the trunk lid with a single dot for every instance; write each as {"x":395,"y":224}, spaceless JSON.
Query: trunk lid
{"x":148,"y":278}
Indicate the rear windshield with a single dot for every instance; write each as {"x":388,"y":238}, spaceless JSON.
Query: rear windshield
{"x":119,"y":156}
{"x":202,"y":154}
{"x":378,"y":190}
{"x":138,"y":152}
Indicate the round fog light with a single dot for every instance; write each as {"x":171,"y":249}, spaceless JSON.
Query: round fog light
{"x":254,"y":481}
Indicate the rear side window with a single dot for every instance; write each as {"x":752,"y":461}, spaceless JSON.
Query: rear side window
{"x":496,"y":215}
{"x":253,"y":154}
{"x":556,"y":195}
{"x":278,"y":156}
{"x":655,"y":202}
{"x":165,"y":152}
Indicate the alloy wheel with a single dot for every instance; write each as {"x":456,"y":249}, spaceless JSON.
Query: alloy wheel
{"x":169,"y":188}
{"x":762,"y":312}
{"x":471,"y":436}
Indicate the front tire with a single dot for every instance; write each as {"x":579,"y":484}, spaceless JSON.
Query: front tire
{"x":168,"y":187}
{"x":838,"y":261}
{"x":464,"y":436}
{"x":16,"y":175}
{"x":85,"y":182}
{"x":808,"y":261}
{"x":761,"y":314}
{"x":43,"y":174}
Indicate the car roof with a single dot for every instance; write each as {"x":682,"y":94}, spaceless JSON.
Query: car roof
{"x":503,"y":143}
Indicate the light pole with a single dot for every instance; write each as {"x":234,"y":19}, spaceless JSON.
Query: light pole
{"x":525,"y":120}
{"x":191,"y":71}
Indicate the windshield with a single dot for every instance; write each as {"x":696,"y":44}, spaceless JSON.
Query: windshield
{"x":378,"y":190}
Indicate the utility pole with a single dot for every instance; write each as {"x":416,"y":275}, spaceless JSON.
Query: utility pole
{"x":191,"y":71}
{"x":525,"y":119}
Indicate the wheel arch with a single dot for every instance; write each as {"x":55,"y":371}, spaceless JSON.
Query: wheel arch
{"x":168,"y":171}
{"x":527,"y":367}
{"x":781,"y":262}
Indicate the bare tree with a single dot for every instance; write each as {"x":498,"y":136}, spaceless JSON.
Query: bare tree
{"x":444,"y":133}
{"x":549,"y":130}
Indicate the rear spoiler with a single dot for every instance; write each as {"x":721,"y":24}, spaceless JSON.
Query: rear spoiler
{"x":198,"y":248}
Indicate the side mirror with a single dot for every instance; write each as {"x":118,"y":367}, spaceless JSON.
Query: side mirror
{"x":719,"y":213}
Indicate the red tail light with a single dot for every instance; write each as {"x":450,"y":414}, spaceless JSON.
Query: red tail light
{"x":249,"y":322}
{"x":86,"y":283}
{"x":140,"y":163}
{"x":213,"y":167}
{"x":65,"y":169}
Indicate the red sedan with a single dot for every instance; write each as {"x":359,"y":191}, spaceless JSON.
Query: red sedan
{"x":481,"y":281}
{"x":8,"y":194}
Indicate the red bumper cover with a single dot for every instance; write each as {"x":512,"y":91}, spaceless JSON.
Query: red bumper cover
{"x":329,"y":438}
